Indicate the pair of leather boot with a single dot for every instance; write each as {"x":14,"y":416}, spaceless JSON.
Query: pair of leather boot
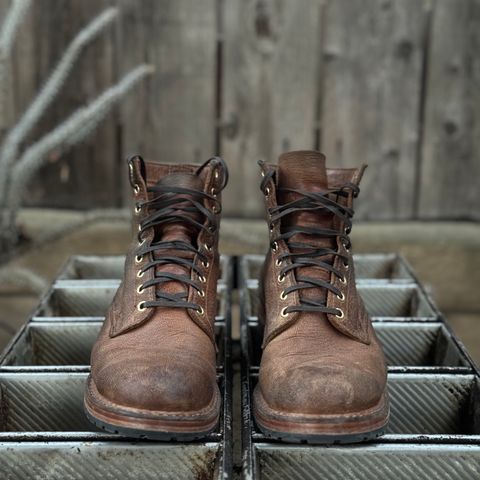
{"x":153,"y":368}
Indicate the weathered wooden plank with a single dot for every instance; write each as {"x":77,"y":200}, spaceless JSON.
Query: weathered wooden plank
{"x":84,"y":177}
{"x":171,"y":117}
{"x":270,"y":81}
{"x":372,"y":96}
{"x":450,"y":168}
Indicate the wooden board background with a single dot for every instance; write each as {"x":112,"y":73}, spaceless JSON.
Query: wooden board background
{"x":391,"y":83}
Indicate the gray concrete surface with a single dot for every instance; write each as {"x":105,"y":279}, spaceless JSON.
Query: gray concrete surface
{"x":446,"y":257}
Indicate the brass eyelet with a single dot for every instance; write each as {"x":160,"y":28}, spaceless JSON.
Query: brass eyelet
{"x":138,"y":258}
{"x":140,"y":289}
{"x":283,"y":313}
{"x":200,"y":310}
{"x":343,"y":280}
{"x":202,"y":278}
{"x":208,"y":248}
{"x":278,"y":262}
{"x":206,"y":264}
{"x":140,"y":273}
{"x":213,"y":193}
{"x":274,"y":246}
{"x":267,"y":191}
{"x":141,"y":306}
{"x":139,"y":228}
{"x":201,"y":293}
{"x":262,"y":173}
{"x":341,"y":315}
{"x":341,"y":297}
{"x":136,"y":189}
{"x":283,"y":295}
{"x":346,"y":266}
{"x":138,"y":208}
{"x":216,"y":209}
{"x":281,"y":278}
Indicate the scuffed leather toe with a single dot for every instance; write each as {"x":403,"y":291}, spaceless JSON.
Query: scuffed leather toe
{"x":171,"y":387}
{"x":323,"y":389}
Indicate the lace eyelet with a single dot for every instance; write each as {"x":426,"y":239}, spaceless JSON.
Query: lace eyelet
{"x":200,"y":310}
{"x":207,"y":247}
{"x":283,"y":295}
{"x":139,"y":228}
{"x":341,"y":297}
{"x":346,"y":266}
{"x":138,"y":258}
{"x":140,"y":273}
{"x":267,"y":191}
{"x":216,"y":209}
{"x":201,"y":293}
{"x":262,"y":173}
{"x":341,"y":314}
{"x":343,"y":280}
{"x":213,"y":193}
{"x":206,"y":264}
{"x":271,"y":228}
{"x":284,"y":313}
{"x":202,"y":278}
{"x":140,"y":289}
{"x":281,"y":278}
{"x":141,"y":306}
{"x":136,"y":189}
{"x":138,"y":208}
{"x":278,"y":262}
{"x":274,"y":246}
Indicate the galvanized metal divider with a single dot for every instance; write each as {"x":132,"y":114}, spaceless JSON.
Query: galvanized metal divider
{"x":434,"y":388}
{"x":43,"y":430}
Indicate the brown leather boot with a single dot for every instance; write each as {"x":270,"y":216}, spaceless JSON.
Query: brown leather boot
{"x":323,"y":374}
{"x":153,"y":369}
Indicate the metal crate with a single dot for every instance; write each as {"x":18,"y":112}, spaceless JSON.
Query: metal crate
{"x":434,"y":388}
{"x":43,"y":430}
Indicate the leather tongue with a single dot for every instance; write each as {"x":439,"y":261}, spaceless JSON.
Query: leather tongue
{"x":177,"y":229}
{"x":306,"y":171}
{"x":303,"y":170}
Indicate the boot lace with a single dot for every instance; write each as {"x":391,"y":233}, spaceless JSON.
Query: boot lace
{"x":167,"y":207}
{"x":304,"y":254}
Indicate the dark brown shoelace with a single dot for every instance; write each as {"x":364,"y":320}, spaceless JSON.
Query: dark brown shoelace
{"x":304,"y":254}
{"x":170,"y":205}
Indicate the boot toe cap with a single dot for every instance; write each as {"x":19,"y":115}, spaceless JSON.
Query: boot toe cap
{"x":168,"y":387}
{"x":323,"y":390}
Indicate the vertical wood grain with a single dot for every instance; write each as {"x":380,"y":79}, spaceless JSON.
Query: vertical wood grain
{"x":450,"y":168}
{"x":171,"y":116}
{"x":270,"y":80}
{"x":373,"y":56}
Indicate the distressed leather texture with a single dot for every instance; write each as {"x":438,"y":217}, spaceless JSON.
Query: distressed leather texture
{"x":161,"y":358}
{"x":312,"y":362}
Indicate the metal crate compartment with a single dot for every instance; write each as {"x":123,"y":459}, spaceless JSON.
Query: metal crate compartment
{"x":54,"y":345}
{"x":75,"y":460}
{"x":366,"y":462}
{"x":383,"y":302}
{"x":406,"y":344}
{"x":379,"y":268}
{"x":88,"y":300}
{"x":94,"y":267}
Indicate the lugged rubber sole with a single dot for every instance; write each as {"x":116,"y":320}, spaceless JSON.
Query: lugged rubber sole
{"x":147,"y":424}
{"x":321,"y":429}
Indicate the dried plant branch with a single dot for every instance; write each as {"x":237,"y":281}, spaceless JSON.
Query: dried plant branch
{"x":24,"y":278}
{"x":50,"y":90}
{"x":70,"y":132}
